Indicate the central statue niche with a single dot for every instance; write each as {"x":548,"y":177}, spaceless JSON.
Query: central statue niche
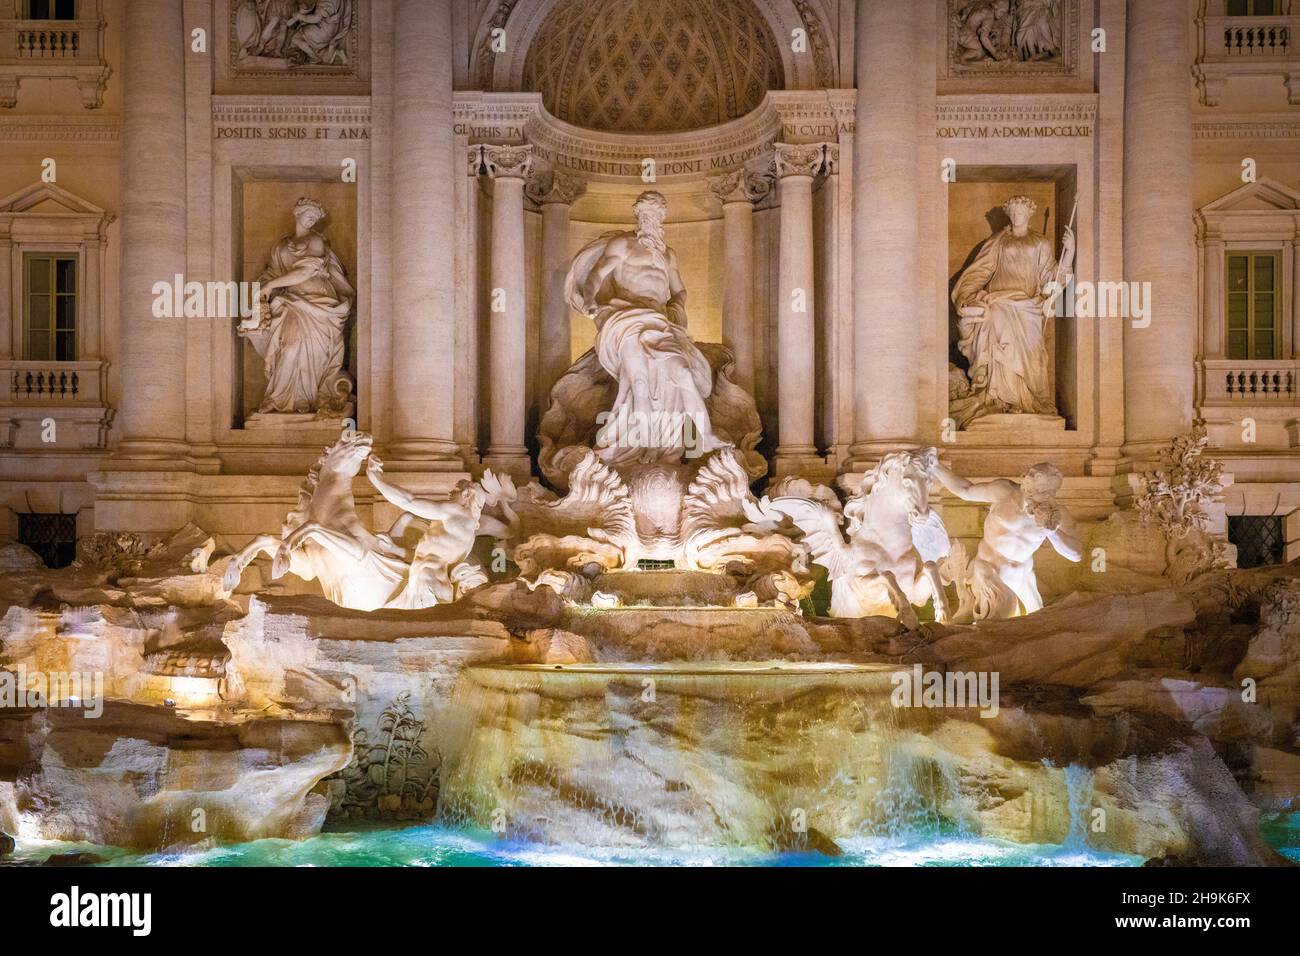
{"x":649,"y":416}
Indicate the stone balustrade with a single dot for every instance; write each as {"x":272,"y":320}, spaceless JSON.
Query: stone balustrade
{"x":53,"y":49}
{"x":1247,"y":46}
{"x":43,"y":381}
{"x":1233,"y":380}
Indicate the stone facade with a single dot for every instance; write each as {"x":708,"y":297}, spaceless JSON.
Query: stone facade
{"x":831,"y":166}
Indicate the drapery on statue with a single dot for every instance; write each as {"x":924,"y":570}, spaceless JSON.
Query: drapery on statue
{"x":1000,"y":582}
{"x":628,"y":283}
{"x":298,"y":330}
{"x":1004,"y":299}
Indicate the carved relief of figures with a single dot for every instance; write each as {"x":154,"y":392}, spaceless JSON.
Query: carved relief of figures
{"x":1004,"y":300}
{"x":997,"y":32}
{"x":286,"y":34}
{"x":298,"y":330}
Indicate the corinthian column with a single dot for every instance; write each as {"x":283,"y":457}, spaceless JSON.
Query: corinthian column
{"x":796,"y":165}
{"x":423,"y":240}
{"x":1159,"y":244}
{"x":886,"y":245}
{"x":556,"y":193}
{"x":508,"y":167}
{"x":151,"y":351}
{"x":738,"y":190}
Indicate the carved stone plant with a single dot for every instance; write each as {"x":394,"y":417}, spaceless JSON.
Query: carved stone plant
{"x":392,"y":778}
{"x":1176,"y":498}
{"x":115,"y":554}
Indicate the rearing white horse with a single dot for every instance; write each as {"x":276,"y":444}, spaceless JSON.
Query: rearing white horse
{"x":895,"y":540}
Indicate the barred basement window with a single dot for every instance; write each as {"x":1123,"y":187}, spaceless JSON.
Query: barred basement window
{"x":52,"y":536}
{"x":1259,"y":539}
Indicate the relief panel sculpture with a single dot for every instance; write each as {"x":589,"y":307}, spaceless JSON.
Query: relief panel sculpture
{"x":1020,"y":36}
{"x":294,"y":35}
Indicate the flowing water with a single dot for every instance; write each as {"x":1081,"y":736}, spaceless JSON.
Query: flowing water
{"x":700,"y":764}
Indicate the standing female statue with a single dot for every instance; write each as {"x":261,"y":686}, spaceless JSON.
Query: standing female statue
{"x":305,"y":302}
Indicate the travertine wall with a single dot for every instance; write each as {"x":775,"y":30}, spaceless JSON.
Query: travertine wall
{"x":415,"y":234}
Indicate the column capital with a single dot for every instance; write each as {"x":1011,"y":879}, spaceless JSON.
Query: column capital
{"x":548,"y":186}
{"x":800,"y":159}
{"x":742,"y":185}
{"x":507,"y":162}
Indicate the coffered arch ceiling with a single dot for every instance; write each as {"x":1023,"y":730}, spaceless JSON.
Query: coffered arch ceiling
{"x":652,"y":66}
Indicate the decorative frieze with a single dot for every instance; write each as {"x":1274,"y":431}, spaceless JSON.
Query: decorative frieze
{"x":272,"y":118}
{"x":552,"y":186}
{"x":1063,"y":116}
{"x":793,"y":116}
{"x":74,"y":129}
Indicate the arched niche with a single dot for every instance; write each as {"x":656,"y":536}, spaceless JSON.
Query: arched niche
{"x":522,"y":20}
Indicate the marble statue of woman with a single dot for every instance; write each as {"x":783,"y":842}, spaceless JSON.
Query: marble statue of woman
{"x":305,"y":302}
{"x":1004,"y":299}
{"x":629,"y":284}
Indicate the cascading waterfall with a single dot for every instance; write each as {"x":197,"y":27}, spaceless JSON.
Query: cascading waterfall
{"x":683,"y":754}
{"x":1079,"y":787}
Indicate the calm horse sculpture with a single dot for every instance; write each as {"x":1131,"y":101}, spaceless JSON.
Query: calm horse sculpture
{"x":324,"y":538}
{"x":895,"y":541}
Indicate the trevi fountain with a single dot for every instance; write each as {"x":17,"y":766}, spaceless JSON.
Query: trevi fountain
{"x":637,"y":448}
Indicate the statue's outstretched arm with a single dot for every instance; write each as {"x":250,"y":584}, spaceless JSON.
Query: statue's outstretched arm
{"x":988,"y":492}
{"x":1065,"y":539}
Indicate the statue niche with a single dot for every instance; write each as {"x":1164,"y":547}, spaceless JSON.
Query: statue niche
{"x":1004,"y":299}
{"x":299,"y":326}
{"x":647,"y":436}
{"x":646,"y":393}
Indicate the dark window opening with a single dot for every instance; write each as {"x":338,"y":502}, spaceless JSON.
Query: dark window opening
{"x":52,"y":536}
{"x":1252,"y":8}
{"x":1259,"y":539}
{"x":51,"y":10}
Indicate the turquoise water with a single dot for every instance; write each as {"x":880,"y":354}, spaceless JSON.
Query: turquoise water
{"x":1283,"y":832}
{"x":441,"y":846}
